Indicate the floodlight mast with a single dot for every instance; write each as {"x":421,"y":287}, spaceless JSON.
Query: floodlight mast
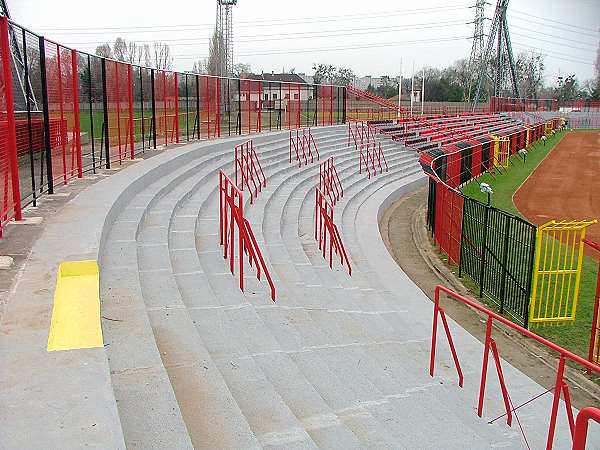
{"x":224,"y":41}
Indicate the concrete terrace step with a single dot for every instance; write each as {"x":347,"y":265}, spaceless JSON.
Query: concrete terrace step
{"x":336,"y":362}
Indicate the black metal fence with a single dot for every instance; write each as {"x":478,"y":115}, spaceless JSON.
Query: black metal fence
{"x":496,"y":252}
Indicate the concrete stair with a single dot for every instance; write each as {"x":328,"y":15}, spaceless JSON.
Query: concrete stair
{"x":336,"y":362}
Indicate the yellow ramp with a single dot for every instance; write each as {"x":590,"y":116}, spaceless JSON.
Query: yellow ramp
{"x":76,"y":313}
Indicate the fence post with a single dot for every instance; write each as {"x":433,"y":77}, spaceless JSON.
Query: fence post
{"x":142,"y":109}
{"x":187,"y":110}
{"x":10,"y":117}
{"x":153,"y":120}
{"x":504,"y":262}
{"x":176,"y":94}
{"x":344,"y":103}
{"x":462,"y":240}
{"x":29,"y":130}
{"x":77,"y":125}
{"x":90,"y":101}
{"x":239,"y":107}
{"x":105,"y":106}
{"x":483,"y":250}
{"x":46,"y":114}
{"x":316,"y":92}
{"x":198,"y":117}
{"x":130,"y":105}
{"x":530,"y":278}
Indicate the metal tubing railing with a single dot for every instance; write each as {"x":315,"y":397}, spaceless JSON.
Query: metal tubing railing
{"x":248,"y":169}
{"x":232,"y":221}
{"x":325,"y":226}
{"x":560,"y":385}
{"x":581,"y":426}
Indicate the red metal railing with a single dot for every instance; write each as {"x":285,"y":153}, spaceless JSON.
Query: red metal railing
{"x":325,"y":226}
{"x":231,"y":218}
{"x":560,"y":387}
{"x":250,"y":171}
{"x":371,"y":157}
{"x":303,"y":146}
{"x":329,"y":181}
{"x":581,"y":426}
{"x":594,"y":346}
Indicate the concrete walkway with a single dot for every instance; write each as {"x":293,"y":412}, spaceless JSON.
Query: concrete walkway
{"x":192,"y":362}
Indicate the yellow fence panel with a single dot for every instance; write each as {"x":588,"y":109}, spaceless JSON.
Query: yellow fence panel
{"x":557,"y":270}
{"x":501,"y":150}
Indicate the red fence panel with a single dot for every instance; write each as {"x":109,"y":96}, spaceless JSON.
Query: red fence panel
{"x":62,"y":85}
{"x":210,"y":109}
{"x":292,"y":104}
{"x":120,"y":110}
{"x":448,"y":221}
{"x":10,"y":201}
{"x":166,"y":95}
{"x":325,"y":105}
{"x":251,"y":105}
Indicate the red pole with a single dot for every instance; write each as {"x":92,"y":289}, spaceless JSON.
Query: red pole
{"x":77,"y":128}
{"x":218,"y":107}
{"x":557,"y":391}
{"x":62,"y":127}
{"x":176,"y":95}
{"x":486,"y":352}
{"x":164,"y":79}
{"x":10,"y":117}
{"x":208,"y":108}
{"x":118,"y":103}
{"x":130,"y":97}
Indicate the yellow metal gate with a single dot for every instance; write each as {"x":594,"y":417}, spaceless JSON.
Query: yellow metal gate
{"x":557,"y":270}
{"x":501,"y":150}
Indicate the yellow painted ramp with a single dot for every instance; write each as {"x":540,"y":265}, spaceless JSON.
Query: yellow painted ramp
{"x":76,"y":313}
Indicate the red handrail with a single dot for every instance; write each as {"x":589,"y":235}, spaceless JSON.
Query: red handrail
{"x":581,"y":426}
{"x":370,"y":155}
{"x":561,"y":386}
{"x":248,"y":164}
{"x":303,"y":145}
{"x":329,"y":181}
{"x":231,"y":218}
{"x":324,"y":225}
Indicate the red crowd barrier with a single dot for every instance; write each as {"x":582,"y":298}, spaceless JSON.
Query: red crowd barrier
{"x":560,"y":389}
{"x":303,"y":146}
{"x":329,"y":181}
{"x":232,"y":220}
{"x":120,"y":110}
{"x":325,"y":93}
{"x":251,"y":102}
{"x":371,"y":157}
{"x":324,"y":227}
{"x":250,"y":171}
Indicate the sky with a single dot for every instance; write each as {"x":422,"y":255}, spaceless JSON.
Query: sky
{"x":370,"y":38}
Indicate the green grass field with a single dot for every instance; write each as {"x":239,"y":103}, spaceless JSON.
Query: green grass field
{"x":571,"y":335}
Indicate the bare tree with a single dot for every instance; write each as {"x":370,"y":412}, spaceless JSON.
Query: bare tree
{"x":161,"y":55}
{"x":104,"y":51}
{"x":530,"y":73}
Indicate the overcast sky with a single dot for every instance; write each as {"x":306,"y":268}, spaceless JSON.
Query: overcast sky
{"x":369,"y":38}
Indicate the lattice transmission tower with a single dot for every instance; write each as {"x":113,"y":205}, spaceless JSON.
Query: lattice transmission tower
{"x":224,"y":29}
{"x":477,"y":47}
{"x":497,"y":70}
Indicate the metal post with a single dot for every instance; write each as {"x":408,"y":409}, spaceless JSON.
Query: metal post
{"x":176,"y":94}
{"x":153,"y":109}
{"x":105,"y":107}
{"x":345,"y":103}
{"x":197,"y":105}
{"x":504,"y":262}
{"x":239,"y":107}
{"x":29,"y":130}
{"x":90,"y":101}
{"x":46,"y":113}
{"x":10,"y":117}
{"x":316,"y":92}
{"x":187,"y":110}
{"x":228,"y":109}
{"x":530,"y":273}
{"x":142,"y":109}
{"x":130,"y":105}
{"x":483,"y":250}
